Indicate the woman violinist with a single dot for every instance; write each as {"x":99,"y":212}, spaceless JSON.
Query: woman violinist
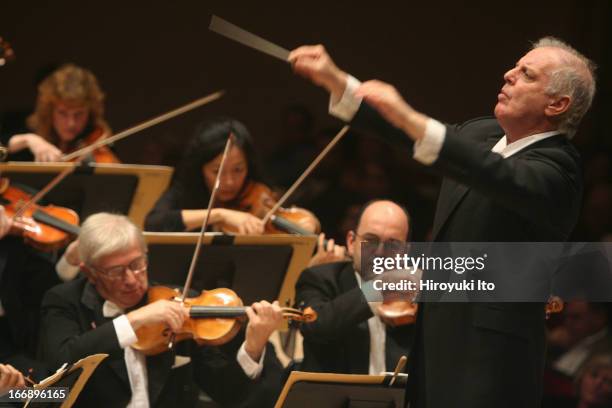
{"x":69,"y":115}
{"x":242,"y":198}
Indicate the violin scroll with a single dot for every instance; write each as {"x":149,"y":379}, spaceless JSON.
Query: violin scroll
{"x":305,"y":315}
{"x":554,"y":305}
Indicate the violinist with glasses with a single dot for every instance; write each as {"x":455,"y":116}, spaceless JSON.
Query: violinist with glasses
{"x":351,"y":335}
{"x":103,"y":311}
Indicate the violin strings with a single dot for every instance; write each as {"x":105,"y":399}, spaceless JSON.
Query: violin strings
{"x":43,"y":192}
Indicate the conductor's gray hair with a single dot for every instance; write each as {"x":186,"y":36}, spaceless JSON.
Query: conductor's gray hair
{"x":575,"y":77}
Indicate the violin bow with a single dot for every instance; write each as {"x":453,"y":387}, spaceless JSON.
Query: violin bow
{"x":305,"y":174}
{"x":81,"y":153}
{"x":196,"y":252}
{"x":198,"y":247}
{"x":144,"y":125}
{"x":233,"y":32}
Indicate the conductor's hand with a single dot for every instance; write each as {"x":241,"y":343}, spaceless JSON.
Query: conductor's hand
{"x":264,"y":318}
{"x":313,"y":62}
{"x":386,"y":100}
{"x":167,"y":312}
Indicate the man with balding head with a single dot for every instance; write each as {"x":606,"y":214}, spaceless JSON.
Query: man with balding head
{"x":512,"y":178}
{"x":349,"y":336}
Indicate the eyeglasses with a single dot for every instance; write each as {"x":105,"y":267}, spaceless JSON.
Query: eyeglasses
{"x":375,"y":242}
{"x":137,"y":266}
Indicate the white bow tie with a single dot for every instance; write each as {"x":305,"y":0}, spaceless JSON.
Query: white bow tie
{"x":109,"y":309}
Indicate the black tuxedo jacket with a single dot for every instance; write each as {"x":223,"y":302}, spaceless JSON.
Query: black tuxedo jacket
{"x":481,"y":354}
{"x":339,"y":340}
{"x":25,"y":275}
{"x":73,"y":327}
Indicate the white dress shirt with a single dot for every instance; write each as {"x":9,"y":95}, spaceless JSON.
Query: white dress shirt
{"x":569,"y":362}
{"x":378,"y":339}
{"x":136,"y":361}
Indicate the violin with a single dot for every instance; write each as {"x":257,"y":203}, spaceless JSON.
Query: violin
{"x":34,"y":222}
{"x":100,"y":155}
{"x":398,"y":312}
{"x":401,"y":312}
{"x":214,"y":315}
{"x":214,"y":319}
{"x":47,"y":228}
{"x":554,"y":305}
{"x":6,"y":52}
{"x":257,"y":199}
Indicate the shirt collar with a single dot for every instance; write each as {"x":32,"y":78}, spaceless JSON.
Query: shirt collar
{"x":109,"y":309}
{"x":506,"y":150}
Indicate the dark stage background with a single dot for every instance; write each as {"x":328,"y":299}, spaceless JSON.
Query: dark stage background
{"x":447,"y":58}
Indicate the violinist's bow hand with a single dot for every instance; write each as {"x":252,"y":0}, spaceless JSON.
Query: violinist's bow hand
{"x":10,"y":378}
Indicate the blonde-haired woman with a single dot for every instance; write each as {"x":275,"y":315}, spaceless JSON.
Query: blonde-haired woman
{"x":69,"y":115}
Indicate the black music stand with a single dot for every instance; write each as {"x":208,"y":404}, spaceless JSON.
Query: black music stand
{"x":119,"y":188}
{"x":325,"y":390}
{"x":255,"y":267}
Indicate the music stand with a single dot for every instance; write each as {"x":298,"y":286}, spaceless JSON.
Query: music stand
{"x":255,"y":267}
{"x":325,"y":390}
{"x":120,"y":188}
{"x":73,"y":377}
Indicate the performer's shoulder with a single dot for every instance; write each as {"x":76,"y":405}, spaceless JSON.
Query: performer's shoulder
{"x":70,"y":289}
{"x":328,"y":271}
{"x":486,"y":124}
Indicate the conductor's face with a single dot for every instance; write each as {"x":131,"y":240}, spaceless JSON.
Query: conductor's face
{"x":121,"y":277}
{"x":523,"y":101}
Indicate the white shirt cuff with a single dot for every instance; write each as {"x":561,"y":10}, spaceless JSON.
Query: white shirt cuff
{"x":427,"y":149}
{"x":251,"y":368}
{"x":348,"y":105}
{"x":125,"y":332}
{"x":65,"y":270}
{"x":374,"y":307}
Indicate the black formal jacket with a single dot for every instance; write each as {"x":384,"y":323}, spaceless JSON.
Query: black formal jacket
{"x":25,"y":275}
{"x":339,"y":340}
{"x":71,"y":311}
{"x":165,"y":216}
{"x":482,"y":354}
